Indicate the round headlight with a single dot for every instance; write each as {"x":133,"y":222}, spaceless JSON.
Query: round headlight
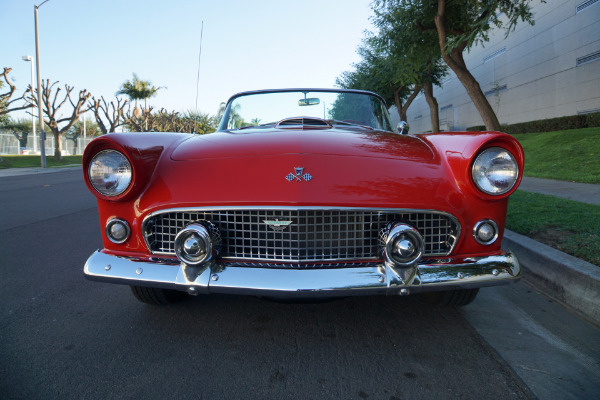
{"x":110,"y":173}
{"x":495,"y":171}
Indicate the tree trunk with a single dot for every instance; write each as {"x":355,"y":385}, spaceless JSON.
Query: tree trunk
{"x":57,"y":146}
{"x":490,"y":120}
{"x":433,"y":107}
{"x":398,"y":101}
{"x":403,"y":109}
{"x":456,"y":62}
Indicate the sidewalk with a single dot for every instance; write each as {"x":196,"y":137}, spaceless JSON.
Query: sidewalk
{"x":5,"y":172}
{"x":583,"y":192}
{"x":568,"y":279}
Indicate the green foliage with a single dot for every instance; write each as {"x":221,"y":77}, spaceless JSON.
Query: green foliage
{"x":357,"y":109}
{"x":467,"y":22}
{"x":91,"y":129}
{"x":202,"y":122}
{"x":397,"y":60}
{"x":22,"y":125}
{"x":137,"y":89}
{"x":415,"y":52}
{"x":567,"y":225}
{"x":20,"y":128}
{"x":165,"y":121}
{"x":548,"y":125}
{"x":572,"y":155}
{"x":448,"y":28}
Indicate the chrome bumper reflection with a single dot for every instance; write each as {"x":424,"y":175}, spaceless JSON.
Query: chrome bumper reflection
{"x":428,"y":275}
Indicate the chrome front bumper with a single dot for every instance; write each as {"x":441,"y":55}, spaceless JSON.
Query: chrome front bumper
{"x":372,"y":278}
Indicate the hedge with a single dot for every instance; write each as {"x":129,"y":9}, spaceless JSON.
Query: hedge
{"x":548,"y":125}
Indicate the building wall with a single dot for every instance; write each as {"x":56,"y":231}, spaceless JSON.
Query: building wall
{"x":547,"y":70}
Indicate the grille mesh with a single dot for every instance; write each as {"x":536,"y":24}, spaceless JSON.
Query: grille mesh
{"x":312,"y":235}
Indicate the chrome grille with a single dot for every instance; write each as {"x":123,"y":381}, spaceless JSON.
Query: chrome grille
{"x":312,"y":235}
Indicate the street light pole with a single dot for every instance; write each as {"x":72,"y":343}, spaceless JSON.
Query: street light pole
{"x":39,"y":86}
{"x":30,"y":59}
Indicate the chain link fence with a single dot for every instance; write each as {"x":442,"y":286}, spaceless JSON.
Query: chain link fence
{"x":9,"y":144}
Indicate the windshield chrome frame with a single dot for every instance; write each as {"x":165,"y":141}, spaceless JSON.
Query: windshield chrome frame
{"x":225,"y":117}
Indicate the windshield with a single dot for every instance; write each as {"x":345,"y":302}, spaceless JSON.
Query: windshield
{"x":265,"y":109}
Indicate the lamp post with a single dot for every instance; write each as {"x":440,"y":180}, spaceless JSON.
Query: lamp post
{"x":39,"y":86}
{"x":30,"y":59}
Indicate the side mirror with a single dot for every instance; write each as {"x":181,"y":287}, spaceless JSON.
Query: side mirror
{"x":403,"y":128}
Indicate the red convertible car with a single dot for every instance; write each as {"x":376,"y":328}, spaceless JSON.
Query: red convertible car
{"x":303,"y":193}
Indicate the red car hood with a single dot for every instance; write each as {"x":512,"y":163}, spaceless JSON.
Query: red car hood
{"x":335,"y":142}
{"x":323,"y":168}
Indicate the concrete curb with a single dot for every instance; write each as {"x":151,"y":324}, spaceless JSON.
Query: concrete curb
{"x":569,"y":280}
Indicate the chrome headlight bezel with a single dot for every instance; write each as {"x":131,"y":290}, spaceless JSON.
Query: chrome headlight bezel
{"x":486,"y":223}
{"x":495,"y":171}
{"x":110,"y":173}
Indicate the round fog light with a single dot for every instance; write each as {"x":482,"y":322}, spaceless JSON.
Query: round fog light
{"x":485,"y":231}
{"x":404,"y":245}
{"x":117,"y":230}
{"x":404,"y":248}
{"x":193,"y":244}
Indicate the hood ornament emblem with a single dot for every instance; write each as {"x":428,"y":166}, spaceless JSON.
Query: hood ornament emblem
{"x":298,"y":175}
{"x":277,"y":225}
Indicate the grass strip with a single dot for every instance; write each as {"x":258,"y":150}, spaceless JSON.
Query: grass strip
{"x":567,"y":225}
{"x":27,"y":161}
{"x":570,"y":155}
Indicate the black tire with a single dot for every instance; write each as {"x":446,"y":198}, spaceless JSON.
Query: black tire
{"x":156,"y":296}
{"x":453,"y":298}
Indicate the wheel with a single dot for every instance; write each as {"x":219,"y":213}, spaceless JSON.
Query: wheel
{"x":156,"y":296}
{"x":458,"y":298}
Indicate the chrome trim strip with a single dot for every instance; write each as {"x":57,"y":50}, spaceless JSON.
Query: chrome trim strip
{"x":291,"y":208}
{"x":428,"y":275}
{"x":302,"y":208}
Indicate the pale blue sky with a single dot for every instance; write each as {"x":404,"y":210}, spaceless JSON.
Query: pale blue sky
{"x":247,"y":45}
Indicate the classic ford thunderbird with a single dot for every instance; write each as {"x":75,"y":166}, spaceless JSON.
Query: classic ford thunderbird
{"x":303,"y":193}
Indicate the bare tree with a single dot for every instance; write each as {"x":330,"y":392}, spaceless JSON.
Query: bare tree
{"x":51,"y":105}
{"x":144,"y":120}
{"x":112,"y":113}
{"x":6,"y":104}
{"x":138,"y":120}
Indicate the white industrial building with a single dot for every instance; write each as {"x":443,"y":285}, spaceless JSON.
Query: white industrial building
{"x":547,"y":70}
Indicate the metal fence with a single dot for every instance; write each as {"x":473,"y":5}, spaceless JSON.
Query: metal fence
{"x":9,"y":144}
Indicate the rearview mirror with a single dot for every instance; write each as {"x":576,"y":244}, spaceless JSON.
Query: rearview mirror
{"x":309,"y":102}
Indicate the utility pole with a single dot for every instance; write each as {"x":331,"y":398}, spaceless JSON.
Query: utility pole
{"x":30,"y":59}
{"x":39,"y":87}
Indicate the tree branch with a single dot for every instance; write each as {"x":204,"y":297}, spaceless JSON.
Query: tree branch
{"x":6,"y":102}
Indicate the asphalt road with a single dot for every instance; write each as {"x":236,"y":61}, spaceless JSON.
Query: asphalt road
{"x":63,"y":337}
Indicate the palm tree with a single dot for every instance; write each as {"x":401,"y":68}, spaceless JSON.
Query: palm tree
{"x":137,"y":89}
